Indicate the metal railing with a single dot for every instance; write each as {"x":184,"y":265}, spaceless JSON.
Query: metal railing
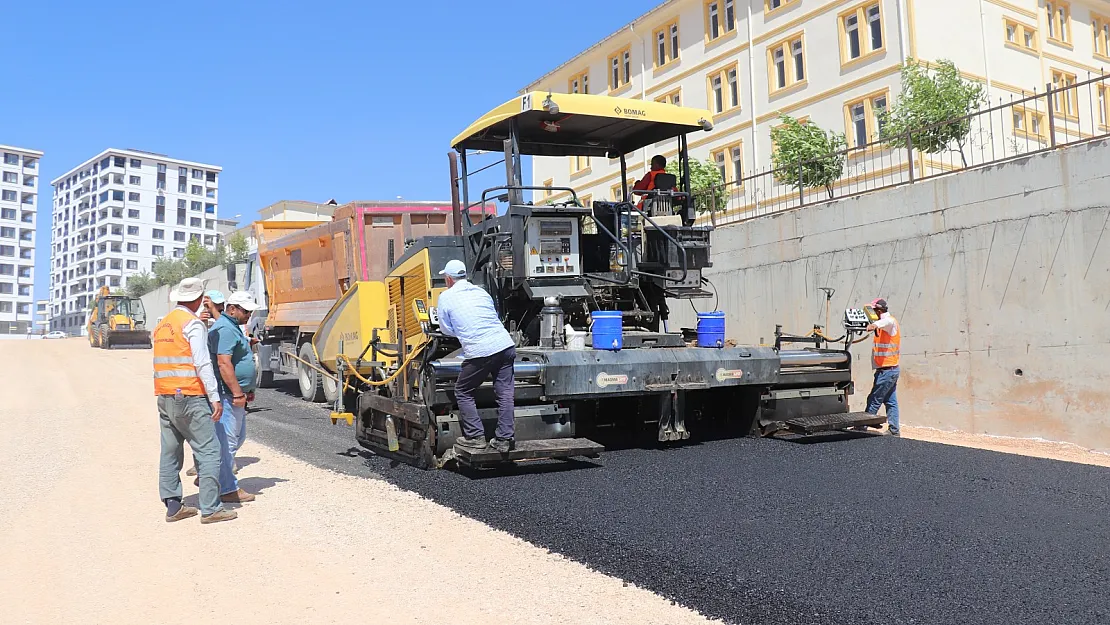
{"x":1041,"y":121}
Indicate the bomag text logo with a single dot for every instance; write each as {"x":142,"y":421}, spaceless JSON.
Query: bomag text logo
{"x":630,"y":112}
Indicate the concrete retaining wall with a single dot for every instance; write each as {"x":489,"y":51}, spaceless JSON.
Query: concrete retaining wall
{"x":1000,"y":277}
{"x":157,"y":302}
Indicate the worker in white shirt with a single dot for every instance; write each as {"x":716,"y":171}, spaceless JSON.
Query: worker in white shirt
{"x":885,"y":352}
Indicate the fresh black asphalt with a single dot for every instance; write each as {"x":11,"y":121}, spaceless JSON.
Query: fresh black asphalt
{"x":868,"y":530}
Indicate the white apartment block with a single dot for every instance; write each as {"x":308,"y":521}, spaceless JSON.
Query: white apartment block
{"x":831,"y":62}
{"x":19,"y":191}
{"x":115,"y":215}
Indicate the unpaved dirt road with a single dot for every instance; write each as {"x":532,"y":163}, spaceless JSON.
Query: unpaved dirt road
{"x":83,"y":540}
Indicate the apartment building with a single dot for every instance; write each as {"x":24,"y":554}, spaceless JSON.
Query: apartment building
{"x":115,"y":215}
{"x":830,"y":62}
{"x":19,"y":191}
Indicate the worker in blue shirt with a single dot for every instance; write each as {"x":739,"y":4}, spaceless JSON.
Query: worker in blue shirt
{"x":466,"y":312}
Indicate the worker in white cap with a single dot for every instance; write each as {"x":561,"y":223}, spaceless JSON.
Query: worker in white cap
{"x":466,"y":311}
{"x":189,"y":406}
{"x":233,"y":358}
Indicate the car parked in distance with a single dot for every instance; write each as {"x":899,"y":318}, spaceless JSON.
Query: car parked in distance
{"x":56,"y":334}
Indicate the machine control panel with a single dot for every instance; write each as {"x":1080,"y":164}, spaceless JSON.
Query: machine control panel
{"x":858,"y":318}
{"x":552,"y":247}
{"x":427,"y":316}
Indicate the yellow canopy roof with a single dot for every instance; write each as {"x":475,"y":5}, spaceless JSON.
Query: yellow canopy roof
{"x":563,"y":124}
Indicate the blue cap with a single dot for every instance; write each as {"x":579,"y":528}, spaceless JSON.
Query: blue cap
{"x":216,"y":296}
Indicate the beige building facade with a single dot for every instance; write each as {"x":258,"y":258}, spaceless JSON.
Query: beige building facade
{"x":834,"y":63}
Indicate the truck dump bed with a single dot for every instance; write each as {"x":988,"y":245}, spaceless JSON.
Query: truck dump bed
{"x":308,"y":268}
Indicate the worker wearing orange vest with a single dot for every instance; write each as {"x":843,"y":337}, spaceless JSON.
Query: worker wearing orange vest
{"x":647,"y":183}
{"x":885,"y":351}
{"x":188,"y":405}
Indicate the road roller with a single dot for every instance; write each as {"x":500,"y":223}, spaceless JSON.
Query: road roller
{"x":585,"y":291}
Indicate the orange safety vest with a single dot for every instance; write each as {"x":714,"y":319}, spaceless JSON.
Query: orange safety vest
{"x":887,"y":347}
{"x":173,"y":357}
{"x":651,"y":183}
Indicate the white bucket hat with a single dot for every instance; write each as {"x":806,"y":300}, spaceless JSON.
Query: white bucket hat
{"x":188,"y":290}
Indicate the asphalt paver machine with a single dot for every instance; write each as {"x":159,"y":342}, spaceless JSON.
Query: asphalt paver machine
{"x":585,"y":292}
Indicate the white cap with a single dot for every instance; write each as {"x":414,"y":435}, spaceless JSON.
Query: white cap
{"x":454,"y":268}
{"x":188,"y":290}
{"x":243,"y":300}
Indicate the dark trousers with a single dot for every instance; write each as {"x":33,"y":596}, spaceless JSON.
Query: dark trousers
{"x":474,"y":372}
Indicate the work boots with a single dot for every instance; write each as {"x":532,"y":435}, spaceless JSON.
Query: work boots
{"x":502,"y":445}
{"x":219,"y":515}
{"x":476,"y":442}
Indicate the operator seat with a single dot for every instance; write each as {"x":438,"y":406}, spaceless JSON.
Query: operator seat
{"x":661,"y":206}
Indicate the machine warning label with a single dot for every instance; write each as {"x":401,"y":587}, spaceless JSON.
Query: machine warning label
{"x":534,"y":252}
{"x":605,"y":379}
{"x":729,"y":374}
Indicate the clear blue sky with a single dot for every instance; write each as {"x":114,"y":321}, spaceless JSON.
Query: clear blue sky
{"x":295,"y":100}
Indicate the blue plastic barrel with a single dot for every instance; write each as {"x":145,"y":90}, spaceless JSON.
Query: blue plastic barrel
{"x":608,"y":332}
{"x":711,"y":329}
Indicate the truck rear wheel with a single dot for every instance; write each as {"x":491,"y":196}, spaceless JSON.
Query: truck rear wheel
{"x":309,"y":378}
{"x":330,"y":387}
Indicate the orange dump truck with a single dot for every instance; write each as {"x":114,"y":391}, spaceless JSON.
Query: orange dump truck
{"x":306,"y":268}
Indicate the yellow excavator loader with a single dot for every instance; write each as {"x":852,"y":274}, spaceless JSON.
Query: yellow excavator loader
{"x":117,"y":320}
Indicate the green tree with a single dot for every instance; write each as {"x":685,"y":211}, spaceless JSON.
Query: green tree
{"x":141,"y":283}
{"x":238,"y":249}
{"x":705,"y":182}
{"x":932,"y":112}
{"x":806,"y":155}
{"x":168,"y":271}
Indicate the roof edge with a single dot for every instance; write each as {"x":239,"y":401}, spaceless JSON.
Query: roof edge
{"x":146,"y":155}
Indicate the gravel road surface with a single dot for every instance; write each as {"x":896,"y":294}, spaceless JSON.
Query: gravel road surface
{"x":872,"y":530}
{"x":83,"y":538}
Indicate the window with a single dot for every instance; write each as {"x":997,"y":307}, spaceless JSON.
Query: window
{"x":180,"y":218}
{"x":7,"y":213}
{"x":586,"y":200}
{"x":211,"y":240}
{"x":620,"y":69}
{"x":194,"y":237}
{"x":579,"y":165}
{"x":116,"y":263}
{"x":770,"y":6}
{"x":861,"y":32}
{"x":133,"y":247}
{"x":11,"y":176}
{"x":579,"y":83}
{"x":178,"y":236}
{"x":160,"y":215}
{"x":113,"y":281}
{"x":1103,"y":96}
{"x":135,"y":180}
{"x":786,"y":63}
{"x":182,"y":171}
{"x":616,"y":191}
{"x":132,"y":213}
{"x":1020,"y":36}
{"x":1059,"y":22}
{"x":133,"y":264}
{"x":724,"y":89}
{"x":209,"y":193}
{"x":180,"y":204}
{"x":1030,"y":123}
{"x":210,"y":208}
{"x":8,"y":196}
{"x":729,"y":161}
{"x":210,"y":176}
{"x":547,"y":188}
{"x":720,"y":18}
{"x":198,"y":174}
{"x":194,"y":222}
{"x":1100,"y":29}
{"x":161,"y":168}
{"x":158,"y":233}
{"x":132,"y":197}
{"x":1064,"y":102}
{"x":666,"y":44}
{"x":119,"y":161}
{"x":157,"y":250}
{"x":671,"y":97}
{"x":136,"y":162}
{"x":6,"y":288}
{"x":11,"y":159}
{"x":862,"y":119}
{"x":196,"y":190}
{"x":117,"y":195}
{"x":195,"y":206}
{"x":179,"y":252}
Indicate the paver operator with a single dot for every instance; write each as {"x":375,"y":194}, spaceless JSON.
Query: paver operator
{"x":234,"y":360}
{"x":188,"y":405}
{"x":885,"y":351}
{"x":466,"y":311}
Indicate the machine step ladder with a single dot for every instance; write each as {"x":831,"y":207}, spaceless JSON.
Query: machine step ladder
{"x":529,"y":450}
{"x":832,"y":422}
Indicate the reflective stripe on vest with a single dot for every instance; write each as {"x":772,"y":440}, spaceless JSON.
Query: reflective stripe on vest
{"x":173,"y":357}
{"x":887,"y":347}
